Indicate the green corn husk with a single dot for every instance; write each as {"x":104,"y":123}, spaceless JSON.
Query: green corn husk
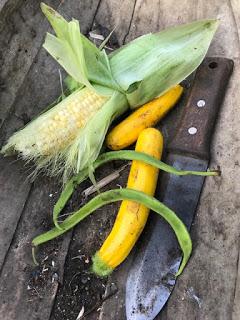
{"x":153,"y":63}
{"x":129,"y":77}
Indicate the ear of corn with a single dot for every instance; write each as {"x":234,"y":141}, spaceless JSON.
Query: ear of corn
{"x":86,"y":147}
{"x":67,"y":118}
{"x":133,"y":75}
{"x":81,"y":121}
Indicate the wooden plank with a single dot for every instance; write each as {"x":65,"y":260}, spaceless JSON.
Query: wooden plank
{"x":25,"y":289}
{"x":146,"y":18}
{"x":24,"y":18}
{"x":235,"y":9}
{"x":30,"y":100}
{"x":152,"y":16}
{"x":18,"y":22}
{"x":112,"y":15}
{"x":216,"y":228}
{"x":23,"y":29}
{"x":236,"y":305}
{"x":22,"y":296}
{"x":114,"y":307}
{"x":14,"y":191}
{"x":6,"y":7}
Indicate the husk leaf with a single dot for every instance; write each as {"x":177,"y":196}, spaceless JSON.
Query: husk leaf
{"x":153,"y":63}
{"x":82,"y":60}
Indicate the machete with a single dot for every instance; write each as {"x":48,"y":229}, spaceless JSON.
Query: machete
{"x":151,"y":278}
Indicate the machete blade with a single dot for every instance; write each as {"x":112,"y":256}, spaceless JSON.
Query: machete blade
{"x":152,"y":275}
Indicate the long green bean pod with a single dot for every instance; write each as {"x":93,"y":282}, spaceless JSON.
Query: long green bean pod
{"x":117,"y":155}
{"x":125,"y":194}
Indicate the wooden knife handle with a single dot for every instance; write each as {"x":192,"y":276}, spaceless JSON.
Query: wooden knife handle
{"x":200,"y":113}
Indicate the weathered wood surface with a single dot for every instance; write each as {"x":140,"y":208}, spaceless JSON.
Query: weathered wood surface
{"x":23,"y":290}
{"x":12,"y":197}
{"x":213,"y":269}
{"x":213,"y":272}
{"x":23,"y":98}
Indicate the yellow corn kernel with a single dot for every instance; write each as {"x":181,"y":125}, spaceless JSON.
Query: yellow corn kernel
{"x":66,"y":119}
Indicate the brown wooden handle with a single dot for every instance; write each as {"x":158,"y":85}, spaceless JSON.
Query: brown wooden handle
{"x":200,"y":113}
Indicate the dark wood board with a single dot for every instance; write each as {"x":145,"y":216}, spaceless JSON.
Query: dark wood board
{"x":22,"y":218}
{"x":24,"y":77}
{"x":214,"y":249}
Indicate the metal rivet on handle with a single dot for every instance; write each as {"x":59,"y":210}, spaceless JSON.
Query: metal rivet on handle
{"x":192,"y":130}
{"x":201,"y":103}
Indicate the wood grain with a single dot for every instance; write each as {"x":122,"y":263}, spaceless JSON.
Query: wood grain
{"x":22,"y":32}
{"x":235,"y":9}
{"x":25,"y":289}
{"x":212,"y":271}
{"x":14,"y":192}
{"x":22,"y":295}
{"x":113,"y":14}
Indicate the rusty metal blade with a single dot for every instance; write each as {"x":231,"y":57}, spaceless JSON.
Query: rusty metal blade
{"x":152,"y":275}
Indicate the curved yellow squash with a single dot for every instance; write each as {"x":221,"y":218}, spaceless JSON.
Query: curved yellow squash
{"x":132,"y":216}
{"x":127,"y":131}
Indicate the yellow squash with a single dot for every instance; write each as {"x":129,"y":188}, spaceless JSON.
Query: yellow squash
{"x":127,"y":132}
{"x":132,"y":216}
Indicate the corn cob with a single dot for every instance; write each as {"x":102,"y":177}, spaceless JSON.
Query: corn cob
{"x":56,"y":129}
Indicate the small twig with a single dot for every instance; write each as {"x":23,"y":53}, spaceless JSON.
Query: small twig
{"x":96,"y":36}
{"x":103,"y":182}
{"x":45,"y":259}
{"x":100,"y":184}
{"x":44,"y":269}
{"x":109,"y":48}
{"x":78,"y":257}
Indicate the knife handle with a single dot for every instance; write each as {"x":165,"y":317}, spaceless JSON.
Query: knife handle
{"x":196,"y":127}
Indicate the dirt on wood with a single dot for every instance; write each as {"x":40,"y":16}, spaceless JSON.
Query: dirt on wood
{"x":78,"y":288}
